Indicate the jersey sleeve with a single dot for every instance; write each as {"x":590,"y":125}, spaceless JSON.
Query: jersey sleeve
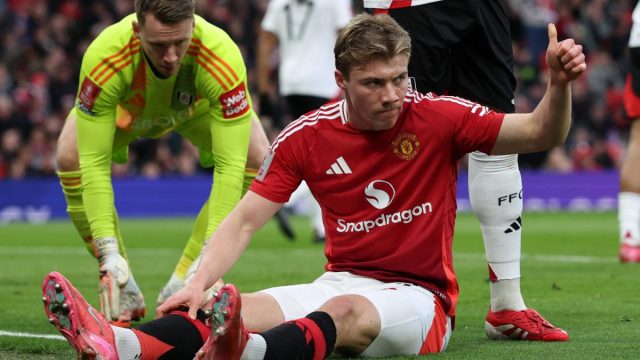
{"x":222,"y":79}
{"x":95,"y":109}
{"x":477,"y":129}
{"x":469,"y":125}
{"x":282,"y":169}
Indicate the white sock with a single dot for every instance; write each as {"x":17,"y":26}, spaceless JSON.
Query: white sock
{"x":127,"y":343}
{"x":495,"y":191}
{"x":629,"y":217}
{"x":505,"y":295}
{"x":256,"y":348}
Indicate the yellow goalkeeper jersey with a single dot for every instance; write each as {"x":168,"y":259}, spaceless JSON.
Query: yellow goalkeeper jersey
{"x":120,"y":98}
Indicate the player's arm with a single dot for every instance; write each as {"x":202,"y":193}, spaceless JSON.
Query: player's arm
{"x":223,"y":250}
{"x":96,"y":112}
{"x":95,"y":141}
{"x":230,"y":144}
{"x":548,"y":125}
{"x":267,"y":43}
{"x":230,"y":125}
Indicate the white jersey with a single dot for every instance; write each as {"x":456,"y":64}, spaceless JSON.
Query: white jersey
{"x":634,"y":37}
{"x":307,"y":31}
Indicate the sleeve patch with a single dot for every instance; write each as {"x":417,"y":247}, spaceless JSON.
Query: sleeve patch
{"x":89,"y":93}
{"x":266,"y":163}
{"x":234,"y":102}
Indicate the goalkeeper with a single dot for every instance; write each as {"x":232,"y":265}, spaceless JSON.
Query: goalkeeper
{"x":161,"y":69}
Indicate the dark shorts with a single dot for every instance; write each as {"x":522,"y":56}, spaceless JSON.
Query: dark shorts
{"x":632,"y":85}
{"x":461,"y":48}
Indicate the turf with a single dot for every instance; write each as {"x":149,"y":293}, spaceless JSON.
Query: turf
{"x":570,"y":274}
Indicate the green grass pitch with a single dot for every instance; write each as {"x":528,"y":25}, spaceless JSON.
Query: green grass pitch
{"x":569,"y":266}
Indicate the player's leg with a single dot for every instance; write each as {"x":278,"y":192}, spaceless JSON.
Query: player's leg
{"x":411,"y":322}
{"x":264,"y":314}
{"x":71,"y":179}
{"x":474,"y":60}
{"x":193,"y":131}
{"x":175,"y":336}
{"x":629,"y":199}
{"x":495,"y":184}
{"x":187,"y":264}
{"x":629,"y":196}
{"x":189,"y":254}
{"x":121,"y":299}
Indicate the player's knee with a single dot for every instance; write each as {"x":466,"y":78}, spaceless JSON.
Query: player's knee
{"x":255,"y":157}
{"x":66,"y":160}
{"x":339,"y":307}
{"x":483,"y":163}
{"x":356,"y":329}
{"x":356,"y":324}
{"x":495,"y":188}
{"x":257,"y":152}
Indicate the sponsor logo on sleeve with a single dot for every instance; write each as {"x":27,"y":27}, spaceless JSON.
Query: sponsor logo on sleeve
{"x":234,"y":102}
{"x":89,"y":93}
{"x":266,"y":163}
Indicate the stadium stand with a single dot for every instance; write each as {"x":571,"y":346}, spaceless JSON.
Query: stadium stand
{"x":41,"y":44}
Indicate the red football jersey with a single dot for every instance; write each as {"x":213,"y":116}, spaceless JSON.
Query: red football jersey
{"x":388,"y":198}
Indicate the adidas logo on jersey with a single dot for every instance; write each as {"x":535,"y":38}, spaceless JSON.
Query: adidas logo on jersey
{"x":339,"y":167}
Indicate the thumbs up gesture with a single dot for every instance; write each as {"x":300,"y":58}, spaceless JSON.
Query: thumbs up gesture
{"x":565,"y":58}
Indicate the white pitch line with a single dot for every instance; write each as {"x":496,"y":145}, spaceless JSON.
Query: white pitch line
{"x":30,"y":335}
{"x":580,"y":259}
{"x":46,"y":250}
{"x":80,"y":250}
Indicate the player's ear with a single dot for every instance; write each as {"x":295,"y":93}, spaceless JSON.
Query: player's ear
{"x":340,"y":80}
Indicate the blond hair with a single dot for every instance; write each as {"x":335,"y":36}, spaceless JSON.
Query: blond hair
{"x":370,"y":37}
{"x":166,"y":11}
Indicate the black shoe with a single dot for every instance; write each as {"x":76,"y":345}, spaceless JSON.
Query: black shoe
{"x":282,"y":218}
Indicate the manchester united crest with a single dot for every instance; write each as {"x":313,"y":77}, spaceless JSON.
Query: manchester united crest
{"x":406,"y":145}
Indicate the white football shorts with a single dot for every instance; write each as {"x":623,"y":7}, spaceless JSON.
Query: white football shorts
{"x":412,"y":320}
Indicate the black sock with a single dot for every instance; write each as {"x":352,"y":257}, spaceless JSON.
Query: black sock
{"x":185,"y":335}
{"x":310,"y":338}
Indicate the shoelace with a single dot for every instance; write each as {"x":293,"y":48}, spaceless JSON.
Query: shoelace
{"x":534,"y":318}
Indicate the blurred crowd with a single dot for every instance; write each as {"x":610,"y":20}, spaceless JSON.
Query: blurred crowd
{"x":42,"y":43}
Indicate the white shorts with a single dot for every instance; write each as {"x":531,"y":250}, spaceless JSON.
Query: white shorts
{"x":412,"y":320}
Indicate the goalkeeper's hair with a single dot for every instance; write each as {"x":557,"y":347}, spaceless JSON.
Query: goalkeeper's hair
{"x":367,"y":38}
{"x":166,"y":11}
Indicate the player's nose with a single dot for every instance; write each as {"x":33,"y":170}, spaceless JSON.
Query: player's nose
{"x":171,"y":55}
